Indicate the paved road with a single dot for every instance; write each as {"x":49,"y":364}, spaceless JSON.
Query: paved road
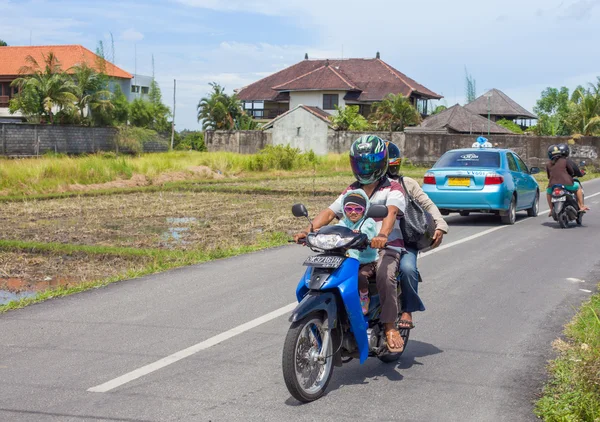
{"x":496,"y":300}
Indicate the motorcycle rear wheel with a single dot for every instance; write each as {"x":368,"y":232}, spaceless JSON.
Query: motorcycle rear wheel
{"x":563,"y":220}
{"x":305,"y":378}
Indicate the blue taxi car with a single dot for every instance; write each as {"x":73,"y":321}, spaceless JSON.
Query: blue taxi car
{"x":488,"y":180}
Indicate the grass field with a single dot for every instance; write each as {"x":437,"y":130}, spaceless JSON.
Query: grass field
{"x":73,"y":222}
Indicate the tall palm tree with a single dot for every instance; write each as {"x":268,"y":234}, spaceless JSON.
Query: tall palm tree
{"x":49,"y":85}
{"x":219,"y":111}
{"x":584,"y":110}
{"x":394,"y":113}
{"x":90,"y":90}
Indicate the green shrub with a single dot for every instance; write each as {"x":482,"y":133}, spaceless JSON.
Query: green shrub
{"x":132,"y":139}
{"x":510,"y":125}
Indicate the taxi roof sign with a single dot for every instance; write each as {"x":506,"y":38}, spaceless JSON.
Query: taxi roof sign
{"x":482,"y":143}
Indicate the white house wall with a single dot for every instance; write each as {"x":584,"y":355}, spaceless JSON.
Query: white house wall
{"x":300,"y":129}
{"x":314,"y":99}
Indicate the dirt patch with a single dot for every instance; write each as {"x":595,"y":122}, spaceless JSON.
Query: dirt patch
{"x":138,"y":180}
{"x":165,"y":220}
{"x":20,"y":272}
{"x":135,"y":181}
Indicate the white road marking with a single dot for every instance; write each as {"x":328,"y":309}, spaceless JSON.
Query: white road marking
{"x":175,"y":357}
{"x":584,"y":290}
{"x":145,"y":370}
{"x":575,"y":280}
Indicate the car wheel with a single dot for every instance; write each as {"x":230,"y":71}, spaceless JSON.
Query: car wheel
{"x":511,"y":215}
{"x":464,"y":213}
{"x":444,"y":212}
{"x":535,"y":208}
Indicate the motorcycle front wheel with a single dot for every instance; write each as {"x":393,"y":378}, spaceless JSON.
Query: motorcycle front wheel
{"x":305,"y":375}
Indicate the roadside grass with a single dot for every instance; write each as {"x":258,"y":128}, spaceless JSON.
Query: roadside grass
{"x":54,"y":174}
{"x":573,"y":391}
{"x":154,"y":261}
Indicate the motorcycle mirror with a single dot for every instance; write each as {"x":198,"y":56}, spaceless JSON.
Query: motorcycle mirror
{"x":299,"y":210}
{"x":534,"y":170}
{"x":377,"y":211}
{"x":582,"y":164}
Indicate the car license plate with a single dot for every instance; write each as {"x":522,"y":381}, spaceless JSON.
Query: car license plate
{"x":459,"y":181}
{"x":561,"y":199}
{"x":324,"y":261}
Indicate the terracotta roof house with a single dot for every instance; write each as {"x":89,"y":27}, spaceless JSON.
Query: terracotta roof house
{"x":500,"y":106}
{"x":12,"y":59}
{"x":458,"y":119}
{"x":326,"y":83}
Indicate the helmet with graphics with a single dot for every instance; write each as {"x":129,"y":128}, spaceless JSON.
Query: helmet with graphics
{"x":368,"y":159}
{"x":394,"y":159}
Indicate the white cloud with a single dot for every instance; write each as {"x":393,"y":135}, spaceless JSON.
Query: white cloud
{"x":132,"y":35}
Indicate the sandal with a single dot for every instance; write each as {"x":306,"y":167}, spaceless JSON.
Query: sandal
{"x":394,"y":336}
{"x":405,"y":324}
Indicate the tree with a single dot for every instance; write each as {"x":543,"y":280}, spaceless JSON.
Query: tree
{"x":470,"y":87}
{"x":3,"y":43}
{"x":140,"y":113}
{"x":160,"y":112}
{"x":219,"y":111}
{"x":584,"y":110}
{"x":552,"y":109}
{"x":439,"y":109}
{"x":43,"y":89}
{"x":394,"y":113}
{"x":90,"y":90}
{"x":120,"y":111}
{"x":348,"y":118}
{"x":510,"y":125}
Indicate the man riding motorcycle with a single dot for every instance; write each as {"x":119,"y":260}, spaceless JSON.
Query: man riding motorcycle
{"x":409,"y":273}
{"x":561,"y":170}
{"x":369,"y":162}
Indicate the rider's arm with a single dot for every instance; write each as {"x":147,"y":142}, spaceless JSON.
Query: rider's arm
{"x":576,"y":170}
{"x":322,"y":219}
{"x":387,"y":225}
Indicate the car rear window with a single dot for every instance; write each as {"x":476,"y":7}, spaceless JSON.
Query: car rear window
{"x":469,"y":159}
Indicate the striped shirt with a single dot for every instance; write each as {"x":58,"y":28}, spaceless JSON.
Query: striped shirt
{"x":388,"y":192}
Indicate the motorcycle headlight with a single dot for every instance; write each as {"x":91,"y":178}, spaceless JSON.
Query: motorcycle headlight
{"x":328,"y":241}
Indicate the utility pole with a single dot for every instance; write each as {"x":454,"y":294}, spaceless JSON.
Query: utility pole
{"x":174,"y":104}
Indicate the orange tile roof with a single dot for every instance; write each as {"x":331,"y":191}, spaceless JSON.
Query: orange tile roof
{"x":13,"y":58}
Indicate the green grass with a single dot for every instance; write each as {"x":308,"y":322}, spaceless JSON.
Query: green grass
{"x":573,"y":392}
{"x":158,"y":261}
{"x":53,"y":174}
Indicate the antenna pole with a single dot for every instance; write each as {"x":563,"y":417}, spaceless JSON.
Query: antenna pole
{"x":174,"y":104}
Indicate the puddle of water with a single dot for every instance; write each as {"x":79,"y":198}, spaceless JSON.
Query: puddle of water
{"x":7,"y":296}
{"x":174,"y":235}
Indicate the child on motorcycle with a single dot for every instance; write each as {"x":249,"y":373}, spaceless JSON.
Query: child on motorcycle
{"x":561,"y":172}
{"x":355,"y":205}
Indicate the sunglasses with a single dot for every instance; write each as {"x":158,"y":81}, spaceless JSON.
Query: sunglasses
{"x":352,"y":208}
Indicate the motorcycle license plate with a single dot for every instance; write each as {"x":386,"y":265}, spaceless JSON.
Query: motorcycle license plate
{"x":561,"y":199}
{"x":324,"y":261}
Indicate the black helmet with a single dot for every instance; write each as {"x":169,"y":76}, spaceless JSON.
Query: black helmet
{"x":553,"y":151}
{"x":394,"y":159}
{"x":369,"y":159}
{"x":564,"y":150}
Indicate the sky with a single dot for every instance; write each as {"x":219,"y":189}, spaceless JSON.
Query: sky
{"x":517,"y":46}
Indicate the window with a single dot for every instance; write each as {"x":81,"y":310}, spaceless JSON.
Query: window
{"x":512,"y":164}
{"x":330,"y":101}
{"x":469,"y":159}
{"x":135,"y":88}
{"x":145,"y":90}
{"x":523,"y":166}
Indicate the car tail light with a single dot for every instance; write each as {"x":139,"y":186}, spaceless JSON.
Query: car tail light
{"x":494,"y":179}
{"x":429,"y":179}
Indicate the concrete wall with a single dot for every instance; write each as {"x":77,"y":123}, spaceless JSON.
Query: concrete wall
{"x":314,"y":99}
{"x":242,"y":141}
{"x":339,"y":142}
{"x":301,"y":130}
{"x":427,"y":148}
{"x":419,"y":148}
{"x":31,"y":140}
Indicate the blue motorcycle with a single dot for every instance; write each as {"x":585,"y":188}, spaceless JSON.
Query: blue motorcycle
{"x":328,"y":326}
